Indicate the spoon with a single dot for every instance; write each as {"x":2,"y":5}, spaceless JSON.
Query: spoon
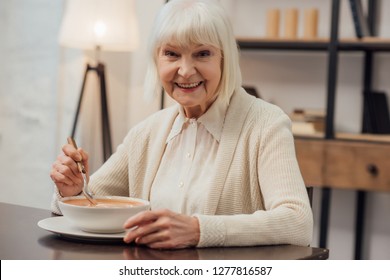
{"x":81,"y":169}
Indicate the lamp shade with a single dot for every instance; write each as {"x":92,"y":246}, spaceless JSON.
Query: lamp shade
{"x":110,"y":25}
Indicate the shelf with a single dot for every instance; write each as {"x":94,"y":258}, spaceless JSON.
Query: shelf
{"x":365,"y":44}
{"x":374,"y":138}
{"x":282,"y":44}
{"x":320,"y":44}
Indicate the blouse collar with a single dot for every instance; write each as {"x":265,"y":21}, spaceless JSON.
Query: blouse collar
{"x":213,"y":120}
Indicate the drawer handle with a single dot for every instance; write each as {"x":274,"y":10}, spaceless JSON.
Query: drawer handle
{"x":373,"y":170}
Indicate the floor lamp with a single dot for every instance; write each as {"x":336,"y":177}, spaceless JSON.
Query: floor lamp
{"x":99,"y":25}
{"x":105,"y":119}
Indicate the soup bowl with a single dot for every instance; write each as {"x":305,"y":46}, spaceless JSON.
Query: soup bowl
{"x":108,"y":216}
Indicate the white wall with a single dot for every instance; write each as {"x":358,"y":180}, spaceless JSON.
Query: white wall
{"x":28,"y":92}
{"x":40,"y":83}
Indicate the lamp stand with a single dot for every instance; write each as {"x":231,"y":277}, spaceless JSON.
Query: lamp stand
{"x":106,"y":134}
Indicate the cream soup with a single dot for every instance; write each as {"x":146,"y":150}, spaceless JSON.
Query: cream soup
{"x":104,"y":203}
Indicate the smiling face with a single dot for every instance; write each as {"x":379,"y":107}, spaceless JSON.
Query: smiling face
{"x":190,"y":75}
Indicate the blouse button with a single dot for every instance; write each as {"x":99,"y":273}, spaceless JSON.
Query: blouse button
{"x":193,"y":122}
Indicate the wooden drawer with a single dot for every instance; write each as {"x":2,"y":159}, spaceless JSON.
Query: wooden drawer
{"x":311,"y":159}
{"x":344,"y":164}
{"x":357,"y":165}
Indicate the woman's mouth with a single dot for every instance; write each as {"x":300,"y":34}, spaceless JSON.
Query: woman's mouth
{"x":188,"y":85}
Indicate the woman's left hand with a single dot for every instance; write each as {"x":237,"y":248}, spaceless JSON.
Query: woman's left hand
{"x":163,"y":229}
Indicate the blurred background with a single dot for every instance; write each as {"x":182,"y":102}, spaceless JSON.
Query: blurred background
{"x":40,"y":83}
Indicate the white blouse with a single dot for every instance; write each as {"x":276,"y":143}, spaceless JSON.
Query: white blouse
{"x":189,"y":161}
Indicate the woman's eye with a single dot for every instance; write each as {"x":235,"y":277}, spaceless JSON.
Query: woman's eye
{"x":170,"y":54}
{"x":204,"y":53}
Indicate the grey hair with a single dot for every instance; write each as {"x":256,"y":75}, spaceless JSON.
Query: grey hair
{"x":187,"y":22}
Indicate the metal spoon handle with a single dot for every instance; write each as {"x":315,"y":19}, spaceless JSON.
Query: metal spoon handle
{"x":81,"y":169}
{"x":80,"y":165}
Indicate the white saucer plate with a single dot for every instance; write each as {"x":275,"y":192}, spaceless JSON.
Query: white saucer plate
{"x":61,"y":227}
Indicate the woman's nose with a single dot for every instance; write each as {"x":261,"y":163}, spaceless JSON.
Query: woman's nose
{"x":186,"y":68}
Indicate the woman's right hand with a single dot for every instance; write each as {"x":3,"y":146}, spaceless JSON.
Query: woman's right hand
{"x":64,"y":171}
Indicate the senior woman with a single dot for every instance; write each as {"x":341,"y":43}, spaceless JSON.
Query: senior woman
{"x":219,"y":167}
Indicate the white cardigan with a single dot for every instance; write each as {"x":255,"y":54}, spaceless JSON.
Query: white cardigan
{"x":257,"y":195}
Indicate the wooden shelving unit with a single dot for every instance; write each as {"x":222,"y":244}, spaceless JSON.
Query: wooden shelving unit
{"x":315,"y":151}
